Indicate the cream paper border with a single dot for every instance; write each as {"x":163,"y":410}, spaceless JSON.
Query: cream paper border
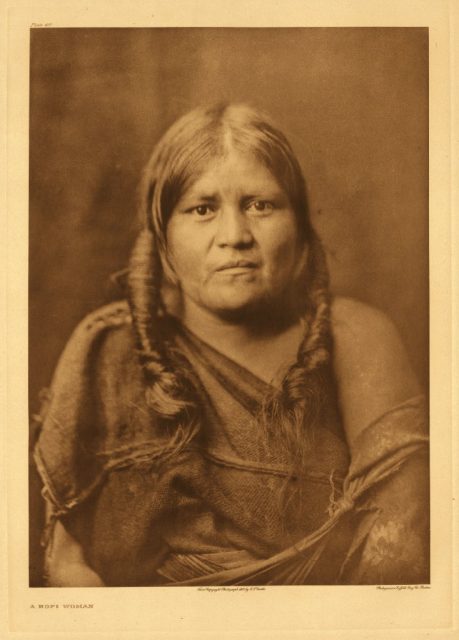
{"x":271,"y":612}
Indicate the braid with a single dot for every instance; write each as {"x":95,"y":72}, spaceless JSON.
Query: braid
{"x":314,"y":350}
{"x":170,"y":397}
{"x":290,"y":414}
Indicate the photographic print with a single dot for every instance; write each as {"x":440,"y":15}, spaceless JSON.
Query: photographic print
{"x":243,"y":400}
{"x":229,"y":350}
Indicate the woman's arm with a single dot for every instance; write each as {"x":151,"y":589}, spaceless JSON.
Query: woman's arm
{"x":383,"y":415}
{"x":371,"y":365}
{"x":65,"y":565}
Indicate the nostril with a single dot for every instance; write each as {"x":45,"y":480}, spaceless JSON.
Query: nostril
{"x":241,"y":240}
{"x":234,"y":230}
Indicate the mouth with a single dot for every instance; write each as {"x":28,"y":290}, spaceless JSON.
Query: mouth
{"x":235,"y":266}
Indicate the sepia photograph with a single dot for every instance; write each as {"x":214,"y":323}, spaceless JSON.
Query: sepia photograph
{"x":230,"y":344}
{"x":229,"y":306}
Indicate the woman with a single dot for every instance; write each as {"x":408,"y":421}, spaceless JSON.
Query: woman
{"x":231,"y":423}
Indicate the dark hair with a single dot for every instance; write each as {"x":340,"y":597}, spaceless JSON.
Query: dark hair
{"x":178,"y":159}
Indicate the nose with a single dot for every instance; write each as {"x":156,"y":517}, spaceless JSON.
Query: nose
{"x":233,"y":229}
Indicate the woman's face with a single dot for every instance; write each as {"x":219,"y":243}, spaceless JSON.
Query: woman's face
{"x":233,"y":238}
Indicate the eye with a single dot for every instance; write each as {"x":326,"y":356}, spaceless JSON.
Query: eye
{"x":260,"y":206}
{"x":202,"y":210}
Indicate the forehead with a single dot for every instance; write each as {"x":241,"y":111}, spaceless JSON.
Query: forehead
{"x":235,"y":171}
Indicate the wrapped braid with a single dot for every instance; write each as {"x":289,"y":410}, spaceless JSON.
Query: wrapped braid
{"x":314,"y":350}
{"x":290,"y":414}
{"x":170,"y":397}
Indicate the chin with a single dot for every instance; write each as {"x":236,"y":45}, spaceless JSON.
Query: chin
{"x":244,"y":310}
{"x":234,"y":308}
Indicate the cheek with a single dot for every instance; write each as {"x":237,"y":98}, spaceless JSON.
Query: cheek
{"x":283,"y":248}
{"x":177,"y":248}
{"x":183,"y":254}
{"x":184,"y":263}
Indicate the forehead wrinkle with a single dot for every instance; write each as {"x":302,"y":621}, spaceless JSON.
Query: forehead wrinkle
{"x":199,"y":196}
{"x":246,"y":183}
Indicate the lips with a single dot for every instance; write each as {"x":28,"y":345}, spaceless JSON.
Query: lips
{"x":237,"y":264}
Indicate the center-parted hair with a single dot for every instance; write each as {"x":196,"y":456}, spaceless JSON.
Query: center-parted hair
{"x":181,"y":156}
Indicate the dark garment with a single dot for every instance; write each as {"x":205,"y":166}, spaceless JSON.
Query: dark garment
{"x":225,"y":510}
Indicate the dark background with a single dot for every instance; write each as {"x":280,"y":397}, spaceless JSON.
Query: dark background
{"x":353,"y":102}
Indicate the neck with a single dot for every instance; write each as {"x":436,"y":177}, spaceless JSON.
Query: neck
{"x":264,"y":343}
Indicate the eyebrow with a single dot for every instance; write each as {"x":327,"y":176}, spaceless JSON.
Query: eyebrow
{"x":264,"y":194}
{"x":201,"y":197}
{"x":191,"y":198}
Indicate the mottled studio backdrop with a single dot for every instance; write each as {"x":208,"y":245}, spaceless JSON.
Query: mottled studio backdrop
{"x":353,"y":102}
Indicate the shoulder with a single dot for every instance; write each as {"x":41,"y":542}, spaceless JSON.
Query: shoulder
{"x":98,"y":356}
{"x":359,"y":323}
{"x":371,"y":365}
{"x":96,"y":397}
{"x":114,"y":314}
{"x":109,"y":325}
{"x":98,"y":375}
